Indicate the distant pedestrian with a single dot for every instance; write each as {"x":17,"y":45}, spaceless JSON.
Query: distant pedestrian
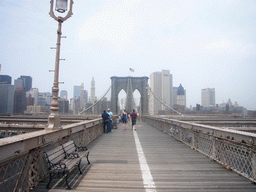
{"x":110,"y":120}
{"x":128,"y":117}
{"x":133,"y":117}
{"x":105,"y":118}
{"x":124,"y":119}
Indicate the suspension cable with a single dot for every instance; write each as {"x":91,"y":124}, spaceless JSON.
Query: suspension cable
{"x":164,"y":103}
{"x":96,"y":102}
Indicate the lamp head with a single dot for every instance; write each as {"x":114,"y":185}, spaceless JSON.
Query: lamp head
{"x":61,"y":6}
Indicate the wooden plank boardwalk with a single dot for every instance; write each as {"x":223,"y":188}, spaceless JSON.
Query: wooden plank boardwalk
{"x":148,"y":160}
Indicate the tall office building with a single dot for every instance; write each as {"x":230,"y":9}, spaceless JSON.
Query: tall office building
{"x":208,"y":97}
{"x":44,"y":98}
{"x":174,"y":94}
{"x":86,"y":96}
{"x":6,"y":98}
{"x":161,"y":86}
{"x":93,"y":91}
{"x":82,"y":96}
{"x":63,"y":106}
{"x":5,"y":79}
{"x":181,"y":96}
{"x":20,"y":101}
{"x":63,"y":94}
{"x":18,"y":83}
{"x":77,"y":90}
{"x":27,"y":82}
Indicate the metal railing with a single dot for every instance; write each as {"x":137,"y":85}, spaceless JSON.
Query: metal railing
{"x":236,"y":150}
{"x":21,"y":164}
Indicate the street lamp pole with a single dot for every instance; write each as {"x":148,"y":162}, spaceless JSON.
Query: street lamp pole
{"x":61,"y":7}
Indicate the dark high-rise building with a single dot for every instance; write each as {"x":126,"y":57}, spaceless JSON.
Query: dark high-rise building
{"x":20,"y":101}
{"x":63,"y":106}
{"x":6,"y":79}
{"x":6,"y":98}
{"x":27,"y":82}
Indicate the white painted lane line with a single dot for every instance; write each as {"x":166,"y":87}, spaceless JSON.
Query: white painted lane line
{"x":148,"y":181}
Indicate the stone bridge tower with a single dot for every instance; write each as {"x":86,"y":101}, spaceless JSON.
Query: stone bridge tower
{"x":129,"y":85}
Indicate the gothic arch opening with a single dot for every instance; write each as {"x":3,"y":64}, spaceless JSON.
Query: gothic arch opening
{"x":121,"y":100}
{"x":137,"y":100}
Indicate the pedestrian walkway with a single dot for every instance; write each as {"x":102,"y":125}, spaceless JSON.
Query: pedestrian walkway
{"x":148,"y":160}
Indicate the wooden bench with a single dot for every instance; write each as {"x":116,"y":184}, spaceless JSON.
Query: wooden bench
{"x":62,"y":159}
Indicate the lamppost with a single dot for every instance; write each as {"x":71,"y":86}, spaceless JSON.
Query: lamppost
{"x":61,"y":7}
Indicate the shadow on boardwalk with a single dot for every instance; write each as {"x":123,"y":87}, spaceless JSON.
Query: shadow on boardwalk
{"x":115,"y":166}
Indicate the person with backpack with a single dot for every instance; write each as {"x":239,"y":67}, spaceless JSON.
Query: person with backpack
{"x":105,"y":117}
{"x":124,"y":119}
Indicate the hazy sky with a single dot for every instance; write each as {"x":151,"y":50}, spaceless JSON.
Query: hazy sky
{"x":204,"y":44}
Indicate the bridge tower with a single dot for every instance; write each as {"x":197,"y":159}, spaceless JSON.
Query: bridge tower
{"x":129,"y":85}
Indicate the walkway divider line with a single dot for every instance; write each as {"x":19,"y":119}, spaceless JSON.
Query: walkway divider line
{"x":148,"y":181}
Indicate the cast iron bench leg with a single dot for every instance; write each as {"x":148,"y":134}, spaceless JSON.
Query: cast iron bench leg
{"x":79,"y":167}
{"x":66,"y":179}
{"x":50,"y":179}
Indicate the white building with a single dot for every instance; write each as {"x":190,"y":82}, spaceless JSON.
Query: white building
{"x":34,"y":92}
{"x":63,"y":94}
{"x":208,"y":97}
{"x":93,"y":99}
{"x":161,"y":86}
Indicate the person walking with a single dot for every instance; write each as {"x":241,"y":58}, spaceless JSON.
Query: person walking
{"x":105,"y":117}
{"x":133,"y":118}
{"x":110,"y":120}
{"x":124,"y":119}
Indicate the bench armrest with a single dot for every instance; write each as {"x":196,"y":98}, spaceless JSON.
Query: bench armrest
{"x":72,"y":155}
{"x":58,"y":166}
{"x":82,"y":148}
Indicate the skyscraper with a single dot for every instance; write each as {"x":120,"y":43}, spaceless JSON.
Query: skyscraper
{"x":77,"y":90}
{"x":18,"y":83}
{"x":6,"y":98}
{"x":82,"y":96}
{"x":181,"y":96}
{"x":63,"y":94}
{"x":27,"y":82}
{"x":161,"y":86}
{"x":20,"y":101}
{"x":208,"y":97}
{"x":93,"y":90}
{"x":6,"y":79}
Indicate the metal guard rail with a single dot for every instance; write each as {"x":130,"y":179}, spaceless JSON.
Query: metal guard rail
{"x":236,"y":150}
{"x":21,"y":161}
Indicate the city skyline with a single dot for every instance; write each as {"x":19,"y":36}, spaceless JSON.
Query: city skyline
{"x":203,"y":44}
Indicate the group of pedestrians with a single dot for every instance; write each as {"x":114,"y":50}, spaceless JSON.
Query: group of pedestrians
{"x":107,"y":120}
{"x":125,"y":118}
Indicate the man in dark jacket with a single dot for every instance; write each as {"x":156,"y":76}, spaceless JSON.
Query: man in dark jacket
{"x":133,"y":117}
{"x":105,"y":118}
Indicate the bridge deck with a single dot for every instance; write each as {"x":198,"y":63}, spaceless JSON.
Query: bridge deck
{"x":173,"y":166}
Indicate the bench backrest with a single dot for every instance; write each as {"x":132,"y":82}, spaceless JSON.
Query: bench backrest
{"x":69,"y":147}
{"x":55,"y":155}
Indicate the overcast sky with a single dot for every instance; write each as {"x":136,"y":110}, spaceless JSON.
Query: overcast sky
{"x":204,"y":44}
